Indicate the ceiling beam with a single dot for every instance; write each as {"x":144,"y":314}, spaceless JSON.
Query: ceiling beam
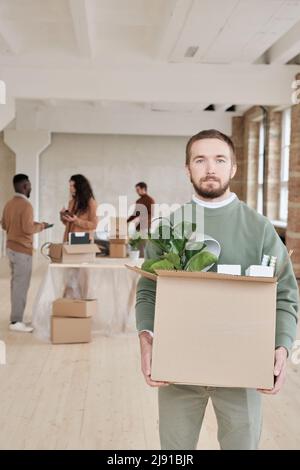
{"x":125,"y":120}
{"x":81,"y":25}
{"x":175,"y":83}
{"x":173,"y":27}
{"x":286,"y":48}
{"x":9,"y":38}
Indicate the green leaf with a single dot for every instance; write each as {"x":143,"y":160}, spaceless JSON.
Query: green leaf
{"x":147,"y":265}
{"x":197,"y":248}
{"x":174,"y":259}
{"x":161,"y":236}
{"x":163,"y":264}
{"x":200,"y":261}
{"x":163,"y":245}
{"x":184,"y":230}
{"x":178,"y":245}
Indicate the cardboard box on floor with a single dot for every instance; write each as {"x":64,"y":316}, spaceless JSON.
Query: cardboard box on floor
{"x":117,"y":250}
{"x":119,"y":241}
{"x":118,"y":227}
{"x":213,"y":329}
{"x":81,"y":308}
{"x":70,"y":330}
{"x":72,"y":254}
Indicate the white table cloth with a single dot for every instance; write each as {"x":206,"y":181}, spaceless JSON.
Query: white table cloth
{"x":107,"y":280}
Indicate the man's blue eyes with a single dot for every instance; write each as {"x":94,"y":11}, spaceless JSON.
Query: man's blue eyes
{"x":218,"y":161}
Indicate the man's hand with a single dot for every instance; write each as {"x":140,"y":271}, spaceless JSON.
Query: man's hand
{"x":279,"y":371}
{"x":146,"y":356}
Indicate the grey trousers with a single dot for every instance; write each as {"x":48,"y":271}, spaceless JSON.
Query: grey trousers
{"x":182,"y":409}
{"x":21,"y":269}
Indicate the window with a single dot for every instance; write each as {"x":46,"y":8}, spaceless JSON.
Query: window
{"x":260,"y":176}
{"x":285,"y":157}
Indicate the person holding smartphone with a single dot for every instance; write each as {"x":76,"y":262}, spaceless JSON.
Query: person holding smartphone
{"x":81,"y":214}
{"x":17,"y":221}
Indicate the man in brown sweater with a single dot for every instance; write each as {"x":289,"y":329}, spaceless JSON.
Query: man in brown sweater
{"x":17,"y":221}
{"x":143,"y":208}
{"x":143,"y":213}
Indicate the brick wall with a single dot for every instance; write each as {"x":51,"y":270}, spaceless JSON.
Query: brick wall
{"x":293,"y":227}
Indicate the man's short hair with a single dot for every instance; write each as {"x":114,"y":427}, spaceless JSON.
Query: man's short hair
{"x":20,"y":178}
{"x":209,"y":134}
{"x":141,"y":185}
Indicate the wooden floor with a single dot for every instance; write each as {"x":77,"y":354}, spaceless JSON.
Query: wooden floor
{"x":92,"y":396}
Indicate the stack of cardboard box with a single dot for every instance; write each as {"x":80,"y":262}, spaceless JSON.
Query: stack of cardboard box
{"x":72,"y":254}
{"x":118,"y":238}
{"x":71,"y":320}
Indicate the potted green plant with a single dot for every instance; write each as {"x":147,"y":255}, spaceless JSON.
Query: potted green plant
{"x":180,"y":250}
{"x":134,"y":243}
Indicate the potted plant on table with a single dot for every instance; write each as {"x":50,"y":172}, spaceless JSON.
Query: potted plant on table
{"x":134,"y":243}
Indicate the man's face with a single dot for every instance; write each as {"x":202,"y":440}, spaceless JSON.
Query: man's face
{"x":210,"y":168}
{"x":27,"y":188}
{"x":140,"y":191}
{"x":72,"y":188}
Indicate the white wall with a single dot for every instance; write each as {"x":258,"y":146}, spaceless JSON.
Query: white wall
{"x":7,"y":171}
{"x":113,"y":164}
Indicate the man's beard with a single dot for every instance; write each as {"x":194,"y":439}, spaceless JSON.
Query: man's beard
{"x":210,"y":192}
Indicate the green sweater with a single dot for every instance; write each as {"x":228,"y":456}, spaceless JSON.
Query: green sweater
{"x":244,"y":236}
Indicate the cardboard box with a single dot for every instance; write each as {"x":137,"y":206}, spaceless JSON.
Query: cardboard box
{"x":119,"y":241}
{"x":80,"y":308}
{"x":72,"y":254}
{"x":214,"y":329}
{"x":117,"y":250}
{"x":70,"y":330}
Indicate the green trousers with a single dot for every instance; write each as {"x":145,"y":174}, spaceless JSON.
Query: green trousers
{"x":182,"y":409}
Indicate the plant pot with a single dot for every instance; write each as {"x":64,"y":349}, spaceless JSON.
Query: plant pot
{"x":134,"y":254}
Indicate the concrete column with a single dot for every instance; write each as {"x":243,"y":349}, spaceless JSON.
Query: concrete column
{"x":293,"y":226}
{"x":27,"y":146}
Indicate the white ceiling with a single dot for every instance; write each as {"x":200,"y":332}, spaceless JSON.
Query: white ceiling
{"x":224,"y":31}
{"x":45,"y":43}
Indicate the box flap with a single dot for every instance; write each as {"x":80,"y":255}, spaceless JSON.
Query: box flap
{"x":81,"y":249}
{"x":137,"y":270}
{"x":199,"y":275}
{"x":69,"y":300}
{"x":213,"y":275}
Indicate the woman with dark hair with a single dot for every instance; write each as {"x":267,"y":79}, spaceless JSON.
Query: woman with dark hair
{"x":81,"y":213}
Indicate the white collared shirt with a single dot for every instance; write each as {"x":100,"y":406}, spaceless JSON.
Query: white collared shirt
{"x":214,"y":205}
{"x":23,"y":196}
